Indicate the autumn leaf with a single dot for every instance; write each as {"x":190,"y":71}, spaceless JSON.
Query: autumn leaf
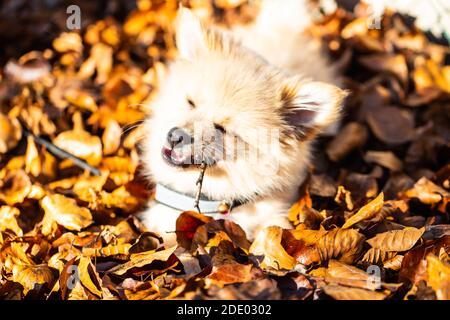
{"x":347,"y":275}
{"x":141,"y":259}
{"x":392,"y":125}
{"x":342,"y":244}
{"x":396,"y":240}
{"x":267,"y":246}
{"x":368,"y":212}
{"x":374,"y":255}
{"x":10,"y":133}
{"x":427,"y":192}
{"x":107,"y":251}
{"x":230,"y":273}
{"x":8,"y":220}
{"x":187,"y":225}
{"x":111,"y":137}
{"x":352,"y":136}
{"x":31,"y":275}
{"x":68,"y":234}
{"x":81,"y":144}
{"x":89,"y":277}
{"x":346,"y":293}
{"x":32,"y":159}
{"x":386,"y":159}
{"x":439,"y":276}
{"x":65,"y":212}
{"x":396,"y":64}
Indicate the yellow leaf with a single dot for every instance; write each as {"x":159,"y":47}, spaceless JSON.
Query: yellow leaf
{"x":427,"y":192}
{"x":30,"y":275}
{"x":65,"y":212}
{"x":111,"y":137}
{"x":88,"y":275}
{"x":267,"y":244}
{"x":8,"y":220}
{"x":439,"y":277}
{"x":10,"y":133}
{"x":68,"y":41}
{"x":32,"y":160}
{"x":81,"y":144}
{"x":369,"y":211}
{"x":107,"y":251}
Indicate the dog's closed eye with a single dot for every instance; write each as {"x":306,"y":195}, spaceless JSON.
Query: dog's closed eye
{"x":191,"y":103}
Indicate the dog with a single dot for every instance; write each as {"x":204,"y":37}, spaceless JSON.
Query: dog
{"x":245,"y":105}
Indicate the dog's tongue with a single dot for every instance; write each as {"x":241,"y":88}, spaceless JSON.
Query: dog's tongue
{"x":174,"y":156}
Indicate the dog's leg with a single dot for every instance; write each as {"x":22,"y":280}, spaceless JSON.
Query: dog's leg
{"x":161,"y":220}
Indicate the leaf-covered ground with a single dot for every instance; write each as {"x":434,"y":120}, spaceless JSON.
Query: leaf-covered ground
{"x":371,"y":222}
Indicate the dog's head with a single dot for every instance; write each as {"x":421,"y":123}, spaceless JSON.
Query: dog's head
{"x":223,"y":105}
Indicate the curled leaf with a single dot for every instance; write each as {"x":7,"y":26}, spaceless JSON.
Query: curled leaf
{"x":397,"y":240}
{"x":141,"y":259}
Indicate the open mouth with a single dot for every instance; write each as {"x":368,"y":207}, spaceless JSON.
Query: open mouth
{"x":181,"y":158}
{"x":176,"y":158}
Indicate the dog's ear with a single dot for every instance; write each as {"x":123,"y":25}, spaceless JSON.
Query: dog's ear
{"x":190,"y":36}
{"x":310,"y":106}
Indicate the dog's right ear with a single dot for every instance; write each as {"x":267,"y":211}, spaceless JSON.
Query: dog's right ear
{"x":190,"y":38}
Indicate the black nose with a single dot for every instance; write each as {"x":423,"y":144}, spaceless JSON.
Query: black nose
{"x":178,"y":137}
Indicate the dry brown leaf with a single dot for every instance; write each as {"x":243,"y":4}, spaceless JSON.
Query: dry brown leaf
{"x":376,"y":256}
{"x":31,"y":275}
{"x":396,"y":240}
{"x":345,"y":293}
{"x":141,"y":259}
{"x":89,"y":277}
{"x":439,"y":276}
{"x":65,"y":212}
{"x":32,"y":159}
{"x":15,"y":187}
{"x":100,"y":60}
{"x":344,"y":245}
{"x":347,"y":275}
{"x":386,"y":159}
{"x":111,"y":137}
{"x":108,"y":251}
{"x":230,"y":273}
{"x":352,"y":136}
{"x":394,"y":263}
{"x":10,"y":133}
{"x":368,"y":212}
{"x":427,"y":192}
{"x":395,"y":64}
{"x":81,"y":99}
{"x":344,"y":198}
{"x":68,"y":41}
{"x":392,"y":125}
{"x":267,"y":245}
{"x":81,"y":144}
{"x":8,"y":220}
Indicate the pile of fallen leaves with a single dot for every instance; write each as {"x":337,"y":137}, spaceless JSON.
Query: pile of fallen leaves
{"x":371,"y":222}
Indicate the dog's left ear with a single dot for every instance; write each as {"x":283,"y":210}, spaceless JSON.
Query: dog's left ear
{"x":311,"y":106}
{"x":190,"y":36}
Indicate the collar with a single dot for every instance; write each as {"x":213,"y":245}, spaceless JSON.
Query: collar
{"x":185,"y":202}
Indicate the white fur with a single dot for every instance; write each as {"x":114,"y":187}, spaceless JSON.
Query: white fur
{"x":233,"y":85}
